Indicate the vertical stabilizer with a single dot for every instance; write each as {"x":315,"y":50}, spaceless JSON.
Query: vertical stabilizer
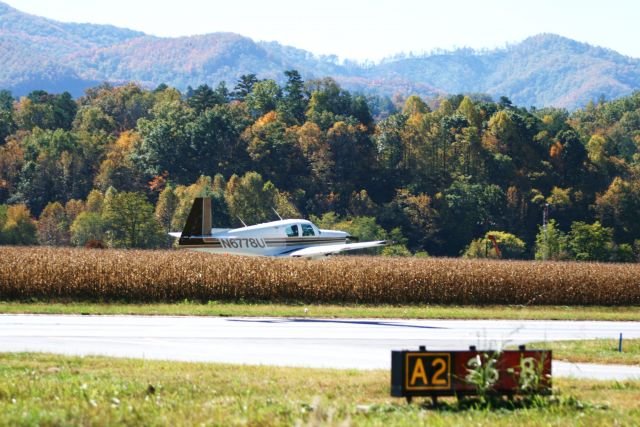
{"x":199,"y":219}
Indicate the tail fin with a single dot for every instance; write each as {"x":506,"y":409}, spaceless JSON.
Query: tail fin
{"x":199,"y":219}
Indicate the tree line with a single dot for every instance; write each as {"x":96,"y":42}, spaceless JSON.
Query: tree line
{"x":120,"y":166}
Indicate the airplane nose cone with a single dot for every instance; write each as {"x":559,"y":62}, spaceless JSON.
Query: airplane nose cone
{"x":352,"y":239}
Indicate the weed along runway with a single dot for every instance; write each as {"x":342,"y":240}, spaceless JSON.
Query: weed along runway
{"x":309,"y":342}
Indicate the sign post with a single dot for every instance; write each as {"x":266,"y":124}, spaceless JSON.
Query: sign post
{"x":454,"y":373}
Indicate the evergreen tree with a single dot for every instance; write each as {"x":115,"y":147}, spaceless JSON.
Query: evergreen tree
{"x":244,"y":86}
{"x":202,"y":98}
{"x":293,"y":104}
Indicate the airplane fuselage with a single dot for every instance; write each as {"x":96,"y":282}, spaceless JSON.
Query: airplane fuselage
{"x":276,"y":238}
{"x":298,"y":238}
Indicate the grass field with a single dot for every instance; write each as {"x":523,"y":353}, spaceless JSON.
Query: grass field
{"x":594,"y":351}
{"x":215,"y":308}
{"x":170,"y":276}
{"x":38,"y":389}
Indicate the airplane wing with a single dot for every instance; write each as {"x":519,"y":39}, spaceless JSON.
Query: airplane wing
{"x":324,"y":250}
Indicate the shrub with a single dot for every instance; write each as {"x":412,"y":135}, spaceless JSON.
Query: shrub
{"x":511,"y":247}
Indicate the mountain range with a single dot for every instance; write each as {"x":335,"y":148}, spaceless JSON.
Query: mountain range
{"x":543,"y":70}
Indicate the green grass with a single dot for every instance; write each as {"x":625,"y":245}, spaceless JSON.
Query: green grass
{"x":594,"y":351}
{"x":42,"y":389}
{"x":214,"y":308}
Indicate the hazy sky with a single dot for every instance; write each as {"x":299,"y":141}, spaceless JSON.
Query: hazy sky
{"x":360,"y":29}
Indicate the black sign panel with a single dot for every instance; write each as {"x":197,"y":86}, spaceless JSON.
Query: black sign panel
{"x":427,"y":371}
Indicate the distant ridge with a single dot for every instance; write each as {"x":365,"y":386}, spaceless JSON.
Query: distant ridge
{"x":543,"y":70}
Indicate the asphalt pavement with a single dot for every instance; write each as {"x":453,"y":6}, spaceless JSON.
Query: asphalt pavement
{"x":308,"y":342}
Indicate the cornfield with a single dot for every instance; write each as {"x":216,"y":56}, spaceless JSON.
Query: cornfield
{"x":163,"y":276}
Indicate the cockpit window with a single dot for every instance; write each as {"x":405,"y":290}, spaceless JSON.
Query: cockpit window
{"x":307,"y":230}
{"x":292,"y":230}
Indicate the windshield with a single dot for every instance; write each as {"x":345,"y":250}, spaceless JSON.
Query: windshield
{"x":307,"y":230}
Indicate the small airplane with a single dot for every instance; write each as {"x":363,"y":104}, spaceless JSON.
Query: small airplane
{"x":286,"y":237}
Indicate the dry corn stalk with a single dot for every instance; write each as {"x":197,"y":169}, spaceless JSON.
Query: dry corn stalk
{"x":165,"y":276}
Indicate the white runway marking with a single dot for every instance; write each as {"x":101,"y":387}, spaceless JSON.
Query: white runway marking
{"x":331,"y":343}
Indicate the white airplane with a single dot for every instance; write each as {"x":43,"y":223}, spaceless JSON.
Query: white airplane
{"x":287,"y":237}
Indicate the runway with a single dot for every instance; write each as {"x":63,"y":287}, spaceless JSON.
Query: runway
{"x":307,"y":342}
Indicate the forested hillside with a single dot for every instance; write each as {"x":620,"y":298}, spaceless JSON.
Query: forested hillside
{"x":544,"y":70}
{"x":120,"y":167}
